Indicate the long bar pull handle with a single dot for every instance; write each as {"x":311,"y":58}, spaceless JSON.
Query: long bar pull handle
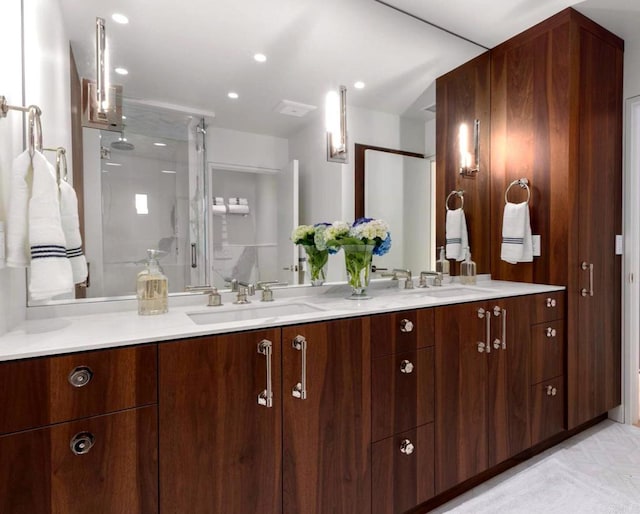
{"x":300,"y":389}
{"x":265,"y":398}
{"x":486,"y":345}
{"x":194,"y":256}
{"x":504,"y":329}
{"x":587,"y":266}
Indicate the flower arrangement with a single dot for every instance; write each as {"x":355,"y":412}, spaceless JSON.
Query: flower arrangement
{"x":317,"y":258}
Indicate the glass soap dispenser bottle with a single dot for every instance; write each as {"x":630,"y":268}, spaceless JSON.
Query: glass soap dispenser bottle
{"x":468,"y":270}
{"x":442,"y":265}
{"x":152,"y":287}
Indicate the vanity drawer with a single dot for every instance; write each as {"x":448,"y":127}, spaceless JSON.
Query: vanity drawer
{"x":403,"y":471}
{"x":42,"y":391}
{"x":547,"y":409}
{"x":404,"y":331}
{"x":547,"y":351}
{"x":401,"y":392}
{"x":547,"y":307}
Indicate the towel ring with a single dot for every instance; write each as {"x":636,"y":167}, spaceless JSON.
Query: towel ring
{"x":61,"y":163}
{"x":35,"y":126}
{"x":459,"y":194}
{"x":523,"y":183}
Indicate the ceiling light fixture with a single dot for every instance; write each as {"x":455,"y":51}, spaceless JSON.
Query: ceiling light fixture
{"x":359,"y":85}
{"x":120,"y":18}
{"x":159,"y":144}
{"x":168,"y":171}
{"x":122,"y":71}
{"x":260,"y":57}
{"x":233,"y":95}
{"x":113,"y":164}
{"x":336,"y":123}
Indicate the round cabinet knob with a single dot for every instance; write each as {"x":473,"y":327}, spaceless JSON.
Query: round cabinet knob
{"x":406,"y":447}
{"x":551,"y":302}
{"x":551,"y":332}
{"x":406,"y":366}
{"x":81,"y":443}
{"x":80,"y":376}
{"x":406,"y":325}
{"x":551,"y":391}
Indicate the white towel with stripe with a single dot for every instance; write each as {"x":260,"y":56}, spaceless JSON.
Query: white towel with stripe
{"x":71,"y":230}
{"x":51,"y":273}
{"x":17,"y":249}
{"x":457,"y":238}
{"x":517,"y":242}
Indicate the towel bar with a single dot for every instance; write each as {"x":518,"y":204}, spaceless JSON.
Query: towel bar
{"x":459,"y":194}
{"x":35,"y":124}
{"x":523,"y":183}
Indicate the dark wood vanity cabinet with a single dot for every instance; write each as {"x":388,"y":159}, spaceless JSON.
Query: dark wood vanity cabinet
{"x":80,"y":433}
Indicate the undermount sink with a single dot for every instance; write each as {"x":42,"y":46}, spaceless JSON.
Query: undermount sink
{"x":453,"y":291}
{"x":249,"y":312}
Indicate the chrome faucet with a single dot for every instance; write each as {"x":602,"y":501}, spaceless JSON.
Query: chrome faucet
{"x":397,"y":273}
{"x":437,"y":278}
{"x":265,"y":287}
{"x":215,"y":299}
{"x":244,"y":289}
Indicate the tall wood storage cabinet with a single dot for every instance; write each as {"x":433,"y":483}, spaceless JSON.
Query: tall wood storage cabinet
{"x":556,"y":119}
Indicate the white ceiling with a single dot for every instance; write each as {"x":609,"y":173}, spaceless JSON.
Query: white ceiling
{"x":192,"y":53}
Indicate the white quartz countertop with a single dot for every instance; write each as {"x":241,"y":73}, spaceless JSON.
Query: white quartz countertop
{"x":71,"y":329}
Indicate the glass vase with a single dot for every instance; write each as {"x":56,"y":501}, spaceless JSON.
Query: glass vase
{"x":316,"y":264}
{"x":357,"y":259}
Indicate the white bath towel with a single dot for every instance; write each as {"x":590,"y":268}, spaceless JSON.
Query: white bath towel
{"x":218,"y":206}
{"x":238,"y":206}
{"x":517,"y":243}
{"x":17,"y":249}
{"x":457,"y":238}
{"x":50,"y":269}
{"x":71,"y":230}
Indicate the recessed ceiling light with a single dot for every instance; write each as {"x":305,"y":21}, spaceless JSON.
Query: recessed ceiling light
{"x":113,"y":164}
{"x":159,"y":144}
{"x":260,"y":57}
{"x":122,"y":71}
{"x":105,"y":171}
{"x":120,"y":18}
{"x":124,"y":117}
{"x":233,"y":95}
{"x":359,"y":85}
{"x":168,"y":171}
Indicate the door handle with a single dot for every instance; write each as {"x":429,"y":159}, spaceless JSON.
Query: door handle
{"x":584,"y":267}
{"x":300,"y":389}
{"x":265,"y":398}
{"x":486,"y":315}
{"x":502,"y":341}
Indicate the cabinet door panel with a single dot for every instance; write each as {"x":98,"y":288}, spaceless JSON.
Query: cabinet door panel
{"x":461,"y":395}
{"x":220,"y":451}
{"x":547,"y":409}
{"x":547,"y":351}
{"x":392,"y":334}
{"x":327,"y":436}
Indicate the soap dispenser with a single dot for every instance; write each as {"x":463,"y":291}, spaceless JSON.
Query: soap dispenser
{"x":152,"y":287}
{"x":468,"y":270}
{"x":442,"y":265}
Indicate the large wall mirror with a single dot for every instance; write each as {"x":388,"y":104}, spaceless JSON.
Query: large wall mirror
{"x":222,"y":152}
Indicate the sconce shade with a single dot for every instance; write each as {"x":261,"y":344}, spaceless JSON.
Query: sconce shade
{"x":336,"y":125}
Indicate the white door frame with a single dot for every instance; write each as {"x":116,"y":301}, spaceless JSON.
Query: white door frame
{"x":631,"y":264}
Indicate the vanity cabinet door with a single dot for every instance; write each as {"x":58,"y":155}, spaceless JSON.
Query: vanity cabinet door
{"x":220,"y":450}
{"x":462,"y":388}
{"x":101,"y":465}
{"x":327,"y":418}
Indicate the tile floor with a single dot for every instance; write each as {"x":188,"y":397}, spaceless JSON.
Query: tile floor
{"x":606,"y":455}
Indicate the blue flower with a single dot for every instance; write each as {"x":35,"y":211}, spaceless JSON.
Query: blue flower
{"x":383,"y":247}
{"x":360,"y":221}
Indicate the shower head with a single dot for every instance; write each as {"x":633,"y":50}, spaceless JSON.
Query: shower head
{"x":121,"y":143}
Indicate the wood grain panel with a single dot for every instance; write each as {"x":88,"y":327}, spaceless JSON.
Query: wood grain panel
{"x":462,"y":96}
{"x":461,"y":421}
{"x":37,"y":392}
{"x":547,"y":352}
{"x":548,"y":307}
{"x":219,"y":450}
{"x":401,"y":401}
{"x":388,"y":338}
{"x":327,"y":437}
{"x":547,"y":411}
{"x":402,"y":481}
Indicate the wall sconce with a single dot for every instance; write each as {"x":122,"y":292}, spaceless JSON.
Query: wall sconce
{"x":469,"y":165}
{"x":101,"y":102}
{"x":336,"y":122}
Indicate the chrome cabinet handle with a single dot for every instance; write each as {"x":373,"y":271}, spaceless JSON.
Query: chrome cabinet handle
{"x":80,"y":376}
{"x":300,"y":389}
{"x":551,"y":302}
{"x":265,"y":398}
{"x":406,"y":326}
{"x":501,"y":342}
{"x":587,"y":266}
{"x":406,"y":366}
{"x":407,"y":447}
{"x":486,"y":315}
{"x":81,"y":443}
{"x":551,"y":391}
{"x":551,"y":332}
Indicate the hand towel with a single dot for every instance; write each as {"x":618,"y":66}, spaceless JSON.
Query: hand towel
{"x":517,"y":243}
{"x":50,"y":269}
{"x":17,"y":249}
{"x":457,"y":238}
{"x":238,"y":206}
{"x":71,"y":230}
{"x":218,"y":206}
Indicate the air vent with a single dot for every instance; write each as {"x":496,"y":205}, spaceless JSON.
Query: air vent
{"x":295,"y":109}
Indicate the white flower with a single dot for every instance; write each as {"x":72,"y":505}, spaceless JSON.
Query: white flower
{"x":301,"y":232}
{"x":371,"y":230}
{"x":337,"y":228}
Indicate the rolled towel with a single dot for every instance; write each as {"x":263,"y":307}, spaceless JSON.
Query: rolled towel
{"x":238,"y":205}
{"x":50,"y":269}
{"x":71,"y":230}
{"x":457,"y":238}
{"x":17,"y":249}
{"x":517,"y":243}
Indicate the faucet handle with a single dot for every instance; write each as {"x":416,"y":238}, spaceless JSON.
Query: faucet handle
{"x":264,"y":284}
{"x":215,"y":298}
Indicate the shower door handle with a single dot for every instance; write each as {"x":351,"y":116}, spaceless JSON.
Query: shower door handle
{"x":194,"y":256}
